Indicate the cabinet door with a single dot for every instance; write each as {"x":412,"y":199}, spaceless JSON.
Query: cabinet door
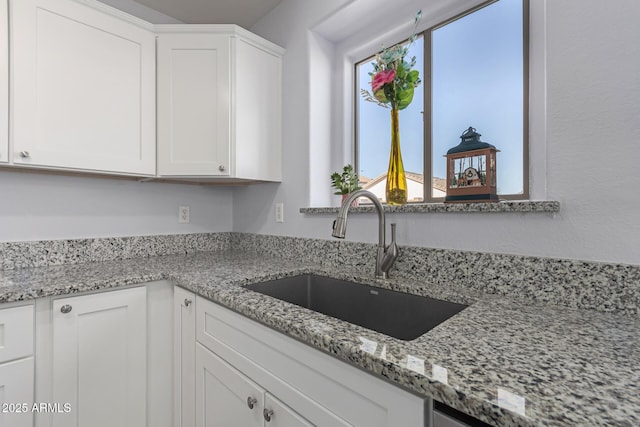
{"x":184,"y":352}
{"x":257,"y":89}
{"x":225,"y":397}
{"x":4,"y":82}
{"x":83,"y":88}
{"x":193,"y":105}
{"x":277,"y":414}
{"x":99,"y":359}
{"x":16,"y":392}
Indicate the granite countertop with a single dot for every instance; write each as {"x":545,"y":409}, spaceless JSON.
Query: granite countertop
{"x":504,"y":361}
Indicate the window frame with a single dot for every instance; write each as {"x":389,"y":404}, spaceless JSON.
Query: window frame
{"x":428,"y":105}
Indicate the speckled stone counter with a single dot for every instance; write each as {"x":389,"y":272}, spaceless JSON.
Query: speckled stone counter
{"x":77,"y":251}
{"x":505,"y":361}
{"x":524,"y":206}
{"x":597,"y":286}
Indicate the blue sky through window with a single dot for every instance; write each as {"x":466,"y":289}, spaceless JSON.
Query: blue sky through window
{"x":477,"y":81}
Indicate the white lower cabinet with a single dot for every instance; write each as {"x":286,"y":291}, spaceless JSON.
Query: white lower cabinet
{"x":105,"y":359}
{"x":239,"y":362}
{"x":16,"y":393}
{"x":278,"y":414}
{"x":16,"y":366}
{"x":184,"y":357}
{"x":99,"y":354}
{"x":227,"y":398}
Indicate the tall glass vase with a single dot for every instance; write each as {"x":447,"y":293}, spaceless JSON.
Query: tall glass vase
{"x":396,"y":189}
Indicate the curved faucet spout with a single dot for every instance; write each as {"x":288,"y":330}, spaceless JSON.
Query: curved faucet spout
{"x":384,"y":257}
{"x":340,"y":224}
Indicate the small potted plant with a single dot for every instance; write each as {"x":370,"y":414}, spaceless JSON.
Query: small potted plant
{"x":345,"y":183}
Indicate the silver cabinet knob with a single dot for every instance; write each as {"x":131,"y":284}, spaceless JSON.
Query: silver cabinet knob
{"x":187,"y":302}
{"x":65,"y":309}
{"x":221,"y":168}
{"x":267,"y":414}
{"x":251,"y":402}
{"x":25,"y":154}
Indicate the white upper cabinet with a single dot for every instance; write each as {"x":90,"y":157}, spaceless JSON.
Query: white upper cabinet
{"x":219,"y":103}
{"x":80,"y":80}
{"x":193,"y":104}
{"x":83,"y":87}
{"x":4,"y":82}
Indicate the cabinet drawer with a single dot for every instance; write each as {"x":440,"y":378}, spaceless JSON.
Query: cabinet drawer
{"x":16,"y":391}
{"x":16,"y":332}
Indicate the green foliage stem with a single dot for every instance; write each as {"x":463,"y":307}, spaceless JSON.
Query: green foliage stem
{"x":345,"y":182}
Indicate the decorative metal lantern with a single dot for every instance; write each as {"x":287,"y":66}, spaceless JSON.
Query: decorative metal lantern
{"x":471,"y":170}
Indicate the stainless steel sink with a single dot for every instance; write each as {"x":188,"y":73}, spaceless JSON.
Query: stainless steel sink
{"x":400,"y":315}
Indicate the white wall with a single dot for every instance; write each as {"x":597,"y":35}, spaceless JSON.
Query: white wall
{"x":584,"y":147}
{"x":584,"y":142}
{"x":253,"y":208}
{"x":44,"y":207}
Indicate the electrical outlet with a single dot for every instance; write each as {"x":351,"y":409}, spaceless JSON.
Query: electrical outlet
{"x":280,"y":212}
{"x":184,"y":216}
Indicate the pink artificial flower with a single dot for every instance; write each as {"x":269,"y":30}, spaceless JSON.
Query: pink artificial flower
{"x":382,"y":78}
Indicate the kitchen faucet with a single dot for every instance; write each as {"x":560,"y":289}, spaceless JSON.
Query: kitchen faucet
{"x":385,"y":256}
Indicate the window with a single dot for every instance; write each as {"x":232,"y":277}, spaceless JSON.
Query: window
{"x":478,"y":77}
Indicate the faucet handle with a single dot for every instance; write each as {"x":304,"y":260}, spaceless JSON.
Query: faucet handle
{"x":393,"y":235}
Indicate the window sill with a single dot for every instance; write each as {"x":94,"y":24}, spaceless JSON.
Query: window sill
{"x":504,"y":207}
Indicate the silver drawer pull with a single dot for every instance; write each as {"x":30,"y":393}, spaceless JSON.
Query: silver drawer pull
{"x":65,"y":309}
{"x":25,"y":154}
{"x":251,"y":402}
{"x":187,"y":302}
{"x":221,"y":168}
{"x":267,"y":414}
